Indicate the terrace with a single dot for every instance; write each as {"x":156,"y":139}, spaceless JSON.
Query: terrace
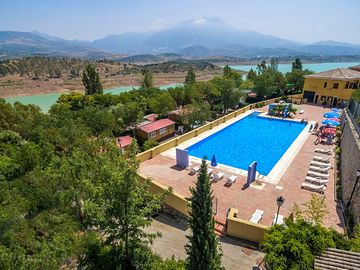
{"x":163,"y":170}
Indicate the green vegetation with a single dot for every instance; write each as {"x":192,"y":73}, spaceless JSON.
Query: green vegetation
{"x":67,"y":192}
{"x":91,"y":81}
{"x":356,"y":95}
{"x":190,"y":77}
{"x":203,"y":249}
{"x":295,"y":245}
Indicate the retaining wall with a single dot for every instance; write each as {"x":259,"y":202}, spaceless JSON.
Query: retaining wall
{"x":350,"y":163}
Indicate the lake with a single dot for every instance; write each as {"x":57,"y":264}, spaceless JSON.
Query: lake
{"x":316,"y":67}
{"x":45,"y":101}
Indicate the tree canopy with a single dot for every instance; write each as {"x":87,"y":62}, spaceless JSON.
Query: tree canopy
{"x":91,"y":81}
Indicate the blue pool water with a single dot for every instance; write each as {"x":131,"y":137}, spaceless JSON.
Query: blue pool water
{"x":252,"y":138}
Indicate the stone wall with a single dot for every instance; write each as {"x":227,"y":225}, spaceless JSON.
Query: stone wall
{"x":350,"y":163}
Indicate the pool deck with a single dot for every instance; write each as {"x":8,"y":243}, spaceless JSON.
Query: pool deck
{"x":162,"y":169}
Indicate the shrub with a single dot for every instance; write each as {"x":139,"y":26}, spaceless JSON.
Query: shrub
{"x":150,"y":144}
{"x":294,"y":246}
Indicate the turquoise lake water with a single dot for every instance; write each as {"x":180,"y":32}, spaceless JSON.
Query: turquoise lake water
{"x":45,"y":101}
{"x":252,"y":138}
{"x":316,"y":67}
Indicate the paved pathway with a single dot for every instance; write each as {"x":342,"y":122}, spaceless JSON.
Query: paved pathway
{"x":236,"y":254}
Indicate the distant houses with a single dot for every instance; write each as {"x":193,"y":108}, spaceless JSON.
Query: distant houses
{"x":333,"y":87}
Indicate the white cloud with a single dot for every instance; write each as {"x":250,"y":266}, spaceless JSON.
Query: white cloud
{"x":199,"y":21}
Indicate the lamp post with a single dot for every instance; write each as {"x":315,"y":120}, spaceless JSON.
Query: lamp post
{"x":279,"y":201}
{"x":352,"y":193}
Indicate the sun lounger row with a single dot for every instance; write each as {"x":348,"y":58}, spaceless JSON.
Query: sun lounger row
{"x":215,"y":176}
{"x":323,"y":151}
{"x":320,"y":164}
{"x":258,"y":214}
{"x":313,"y":187}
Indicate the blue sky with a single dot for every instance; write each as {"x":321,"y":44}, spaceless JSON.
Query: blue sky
{"x":304,"y":21}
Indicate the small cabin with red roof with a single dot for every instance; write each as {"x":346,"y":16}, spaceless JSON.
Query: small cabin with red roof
{"x":156,"y":130}
{"x":124,"y":141}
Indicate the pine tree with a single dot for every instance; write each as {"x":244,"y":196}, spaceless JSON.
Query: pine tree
{"x":190,"y":76}
{"x":203,"y":249}
{"x":91,"y":81}
{"x":148,"y":81}
{"x":297,"y":65}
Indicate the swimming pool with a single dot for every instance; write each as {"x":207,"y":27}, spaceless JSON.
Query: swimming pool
{"x":253,"y":138}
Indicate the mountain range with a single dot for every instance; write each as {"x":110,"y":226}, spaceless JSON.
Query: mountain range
{"x":204,"y":37}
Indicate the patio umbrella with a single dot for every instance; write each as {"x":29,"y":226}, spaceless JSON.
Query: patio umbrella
{"x":329,"y":131}
{"x":213,"y":161}
{"x":334,"y":119}
{"x":331,"y":123}
{"x":331,"y":115}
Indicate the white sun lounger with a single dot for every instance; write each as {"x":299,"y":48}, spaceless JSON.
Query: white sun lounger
{"x":195,"y":169}
{"x":323,"y":151}
{"x":314,"y":188}
{"x":320,"y":164}
{"x":301,"y":111}
{"x":322,"y":159}
{"x":319,"y":169}
{"x":315,"y":180}
{"x":280,"y":220}
{"x":318,"y":174}
{"x":231,"y":179}
{"x":217,"y":176}
{"x":257,"y":216}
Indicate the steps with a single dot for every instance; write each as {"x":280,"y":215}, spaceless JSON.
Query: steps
{"x":336,"y":259}
{"x":220,"y":228}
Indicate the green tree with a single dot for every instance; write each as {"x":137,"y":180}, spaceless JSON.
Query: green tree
{"x":91,"y":81}
{"x":162,"y":104}
{"x":294,"y":246}
{"x":297,"y":65}
{"x":231,"y":74}
{"x":121,"y":207}
{"x":148,"y":80}
{"x":251,"y":75}
{"x":190,"y":76}
{"x":203,"y":248}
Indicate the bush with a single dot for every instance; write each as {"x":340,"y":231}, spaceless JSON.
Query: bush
{"x":150,"y":144}
{"x":294,"y":246}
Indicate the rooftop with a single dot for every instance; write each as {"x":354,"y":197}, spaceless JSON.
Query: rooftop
{"x":124,"y":141}
{"x":156,"y":125}
{"x":356,"y":67}
{"x":151,"y":117}
{"x":337,"y":74}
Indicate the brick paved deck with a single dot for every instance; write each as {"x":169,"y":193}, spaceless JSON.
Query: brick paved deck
{"x":162,"y":169}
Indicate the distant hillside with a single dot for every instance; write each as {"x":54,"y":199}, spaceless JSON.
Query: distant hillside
{"x":71,"y":68}
{"x":199,"y":38}
{"x":19,"y":44}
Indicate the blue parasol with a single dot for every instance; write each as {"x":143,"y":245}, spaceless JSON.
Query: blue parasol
{"x":330,"y":123}
{"x":336,"y":110}
{"x":331,"y":115}
{"x":213,"y":161}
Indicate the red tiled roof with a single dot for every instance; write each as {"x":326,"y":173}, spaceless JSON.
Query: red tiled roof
{"x":151,"y":117}
{"x":124,"y":141}
{"x":156,"y":125}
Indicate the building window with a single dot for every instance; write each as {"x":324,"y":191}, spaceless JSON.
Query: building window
{"x":163,"y":130}
{"x":347,"y":85}
{"x":325,"y":84}
{"x":356,"y":85}
{"x":152,"y":135}
{"x":351,"y":85}
{"x":336,"y":86}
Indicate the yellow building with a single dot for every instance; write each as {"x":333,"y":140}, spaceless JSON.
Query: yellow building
{"x":332,"y":86}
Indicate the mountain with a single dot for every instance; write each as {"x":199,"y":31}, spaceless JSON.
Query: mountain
{"x":19,"y":44}
{"x":130,"y":43}
{"x":203,"y":37}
